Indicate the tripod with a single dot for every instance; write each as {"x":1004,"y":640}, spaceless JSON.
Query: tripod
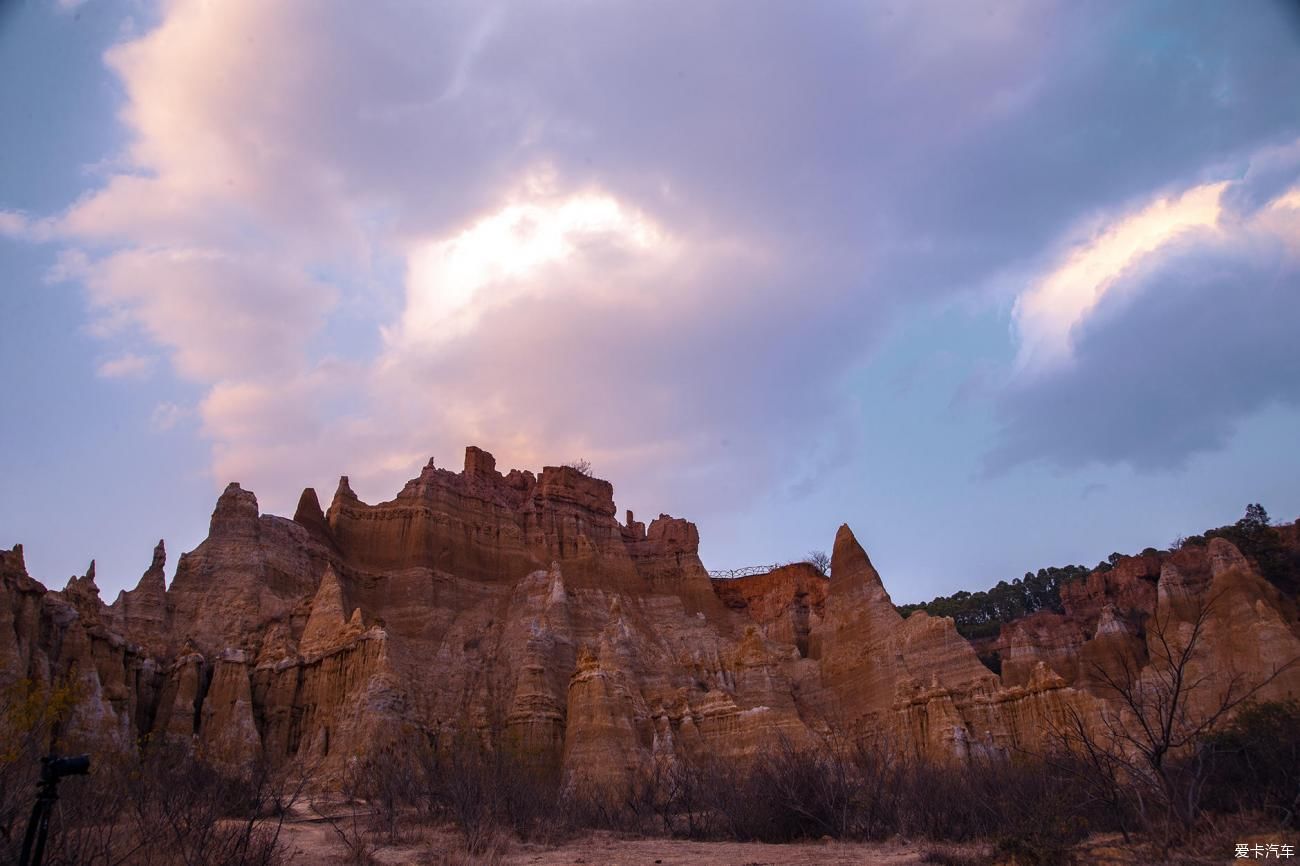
{"x":53,"y":768}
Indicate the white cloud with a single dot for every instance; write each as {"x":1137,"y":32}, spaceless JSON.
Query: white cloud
{"x":127,"y":366}
{"x":220,"y":314}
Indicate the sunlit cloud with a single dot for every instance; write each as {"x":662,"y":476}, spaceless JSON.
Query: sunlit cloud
{"x":451,"y":282}
{"x":1047,"y":313}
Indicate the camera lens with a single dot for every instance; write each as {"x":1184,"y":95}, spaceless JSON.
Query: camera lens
{"x":75,"y":765}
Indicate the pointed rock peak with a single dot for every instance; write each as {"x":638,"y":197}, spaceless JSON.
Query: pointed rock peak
{"x":355,"y":620}
{"x":309,"y":515}
{"x":329,"y":594}
{"x":1224,"y":556}
{"x":12,"y":565}
{"x":84,"y":586}
{"x":344,"y":490}
{"x":154,"y":580}
{"x":236,"y":513}
{"x":851,"y":569}
{"x":326,"y":621}
{"x":308,"y":510}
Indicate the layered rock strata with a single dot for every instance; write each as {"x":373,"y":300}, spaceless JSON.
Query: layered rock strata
{"x":515,"y":608}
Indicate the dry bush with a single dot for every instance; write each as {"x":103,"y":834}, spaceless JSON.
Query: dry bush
{"x":172,"y":807}
{"x":946,"y":856}
{"x":30,"y":715}
{"x":390,"y":781}
{"x":167,"y":807}
{"x":485,"y":792}
{"x":1255,"y":763}
{"x":1152,"y":761}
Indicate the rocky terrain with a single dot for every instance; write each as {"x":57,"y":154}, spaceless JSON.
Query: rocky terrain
{"x":518,"y":607}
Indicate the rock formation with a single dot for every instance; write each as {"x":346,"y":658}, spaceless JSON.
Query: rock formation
{"x":516,"y":608}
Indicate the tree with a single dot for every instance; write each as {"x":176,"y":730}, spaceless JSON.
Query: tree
{"x":582,"y":464}
{"x":820,"y":560}
{"x":1256,"y":519}
{"x":1148,"y":752}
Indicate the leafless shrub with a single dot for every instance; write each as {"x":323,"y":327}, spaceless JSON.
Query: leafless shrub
{"x":488,"y":791}
{"x":389,"y":781}
{"x":1152,"y":758}
{"x":820,"y":560}
{"x":156,"y":805}
{"x":582,"y":465}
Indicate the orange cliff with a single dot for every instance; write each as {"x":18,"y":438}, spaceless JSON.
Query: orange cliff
{"x":518,"y":606}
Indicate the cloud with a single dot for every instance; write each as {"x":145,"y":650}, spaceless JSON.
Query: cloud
{"x":166,"y":415}
{"x":219,"y":314}
{"x":1047,"y":313}
{"x":20,"y":226}
{"x":128,"y":366}
{"x":1192,"y":336}
{"x":609,"y":231}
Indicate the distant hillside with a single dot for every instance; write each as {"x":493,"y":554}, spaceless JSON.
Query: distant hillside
{"x":981,"y":615}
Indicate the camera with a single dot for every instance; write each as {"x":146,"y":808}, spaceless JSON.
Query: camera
{"x":54,"y":768}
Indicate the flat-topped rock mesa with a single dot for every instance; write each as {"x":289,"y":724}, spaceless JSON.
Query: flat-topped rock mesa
{"x":519,"y":607}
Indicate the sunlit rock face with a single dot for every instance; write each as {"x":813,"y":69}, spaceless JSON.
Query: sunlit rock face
{"x":515,"y":608}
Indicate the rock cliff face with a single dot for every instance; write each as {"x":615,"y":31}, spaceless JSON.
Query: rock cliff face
{"x":516,"y":607}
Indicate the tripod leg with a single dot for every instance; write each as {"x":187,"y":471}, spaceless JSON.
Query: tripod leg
{"x":39,"y":854}
{"x":38,"y":818}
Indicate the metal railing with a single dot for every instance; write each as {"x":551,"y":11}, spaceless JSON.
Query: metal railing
{"x":747,"y":571}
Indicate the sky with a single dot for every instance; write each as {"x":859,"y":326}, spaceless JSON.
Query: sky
{"x":1001,"y":285}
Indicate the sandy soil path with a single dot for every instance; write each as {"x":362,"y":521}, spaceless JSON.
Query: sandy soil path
{"x":314,"y":842}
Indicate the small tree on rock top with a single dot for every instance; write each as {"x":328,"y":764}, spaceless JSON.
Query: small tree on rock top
{"x":582,"y":464}
{"x":820,"y":560}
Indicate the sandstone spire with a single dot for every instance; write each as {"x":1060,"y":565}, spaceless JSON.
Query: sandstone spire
{"x":141,"y":613}
{"x":154,"y":579}
{"x":309,"y":513}
{"x":235,"y":515}
{"x":328,"y":624}
{"x":852,"y":572}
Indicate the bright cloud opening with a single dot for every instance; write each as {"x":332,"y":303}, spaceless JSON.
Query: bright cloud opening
{"x":451,"y":282}
{"x":1046,"y":314}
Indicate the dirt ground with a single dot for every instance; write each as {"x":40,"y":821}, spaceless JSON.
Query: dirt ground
{"x":315,"y":842}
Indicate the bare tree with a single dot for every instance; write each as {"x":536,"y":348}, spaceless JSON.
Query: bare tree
{"x":1145,"y":755}
{"x":820,"y":560}
{"x":582,"y":464}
